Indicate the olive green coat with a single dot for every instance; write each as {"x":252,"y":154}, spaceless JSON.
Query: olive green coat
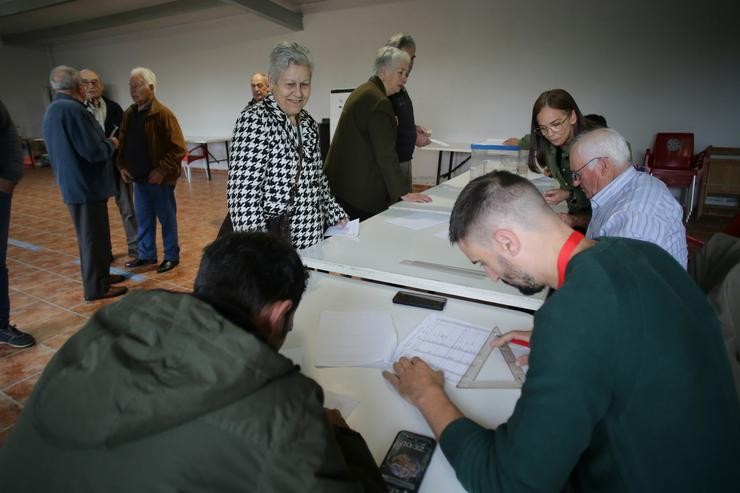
{"x":159,"y":392}
{"x":362,"y":165}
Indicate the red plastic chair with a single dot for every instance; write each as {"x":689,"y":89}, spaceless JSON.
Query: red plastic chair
{"x":672,"y":161}
{"x":190,"y":156}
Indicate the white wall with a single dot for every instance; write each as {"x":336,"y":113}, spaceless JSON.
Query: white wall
{"x":646,"y":66}
{"x":23,"y":86}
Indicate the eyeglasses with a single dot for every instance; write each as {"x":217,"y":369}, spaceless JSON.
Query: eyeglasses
{"x":90,"y":82}
{"x":554,"y":127}
{"x":576,"y":175}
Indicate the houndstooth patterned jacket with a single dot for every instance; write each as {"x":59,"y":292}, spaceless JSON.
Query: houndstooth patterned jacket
{"x":264,"y":164}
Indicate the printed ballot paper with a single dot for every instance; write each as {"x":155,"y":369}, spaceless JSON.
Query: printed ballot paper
{"x":356,"y":339}
{"x":451,"y":345}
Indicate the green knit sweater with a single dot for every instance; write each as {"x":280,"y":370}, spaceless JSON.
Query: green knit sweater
{"x":629,"y":388}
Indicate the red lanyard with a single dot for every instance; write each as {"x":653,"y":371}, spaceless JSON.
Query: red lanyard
{"x":566,"y":253}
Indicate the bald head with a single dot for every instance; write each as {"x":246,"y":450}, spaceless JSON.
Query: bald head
{"x":498,"y":200}
{"x":260,"y":86}
{"x":93,"y":84}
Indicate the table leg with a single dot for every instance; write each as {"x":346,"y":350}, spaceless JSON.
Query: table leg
{"x":208,"y":160}
{"x":439,"y":166}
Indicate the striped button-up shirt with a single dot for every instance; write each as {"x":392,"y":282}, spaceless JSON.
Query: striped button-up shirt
{"x":637,"y":205}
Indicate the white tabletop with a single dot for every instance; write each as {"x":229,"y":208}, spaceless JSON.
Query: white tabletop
{"x":381,"y":413}
{"x":444,"y":195}
{"x":463,"y":147}
{"x":394,"y":254}
{"x":199,"y":139}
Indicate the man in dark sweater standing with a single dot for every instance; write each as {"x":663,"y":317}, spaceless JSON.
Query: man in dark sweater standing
{"x":629,"y":386}
{"x":409,"y":133}
{"x":81,"y":157}
{"x":11,"y":171}
{"x":109,"y":114}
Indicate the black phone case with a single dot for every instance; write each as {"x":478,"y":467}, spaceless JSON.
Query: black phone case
{"x":421,"y":301}
{"x":406,"y":462}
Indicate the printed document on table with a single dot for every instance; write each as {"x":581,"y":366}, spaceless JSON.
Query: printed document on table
{"x":419,"y":220}
{"x":355,"y":339}
{"x":352,"y":228}
{"x":447,"y":344}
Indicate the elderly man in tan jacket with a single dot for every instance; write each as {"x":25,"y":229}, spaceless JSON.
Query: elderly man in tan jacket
{"x":152,"y":146}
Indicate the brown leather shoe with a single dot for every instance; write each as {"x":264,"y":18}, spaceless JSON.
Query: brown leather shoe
{"x":112,"y":292}
{"x":114,"y":279}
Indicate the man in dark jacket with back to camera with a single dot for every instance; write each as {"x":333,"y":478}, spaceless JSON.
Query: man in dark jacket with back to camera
{"x":81,"y":157}
{"x":174,"y":392}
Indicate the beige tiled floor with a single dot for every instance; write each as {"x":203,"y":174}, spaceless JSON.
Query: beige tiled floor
{"x":45,"y":287}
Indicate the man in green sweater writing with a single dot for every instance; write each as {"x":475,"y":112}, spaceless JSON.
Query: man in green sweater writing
{"x":629,"y":387}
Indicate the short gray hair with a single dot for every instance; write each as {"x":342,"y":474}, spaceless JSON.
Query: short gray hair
{"x":605,"y":142}
{"x":388,"y":56}
{"x":63,"y":78}
{"x":286,"y":53}
{"x":401,"y":41}
{"x":149,"y":78}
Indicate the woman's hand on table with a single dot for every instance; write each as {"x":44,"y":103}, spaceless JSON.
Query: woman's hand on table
{"x":416,"y":197}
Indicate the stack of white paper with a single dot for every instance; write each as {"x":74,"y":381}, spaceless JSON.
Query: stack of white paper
{"x":355,"y":339}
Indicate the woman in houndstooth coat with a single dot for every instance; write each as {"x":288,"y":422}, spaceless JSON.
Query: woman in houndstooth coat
{"x":276,"y":164}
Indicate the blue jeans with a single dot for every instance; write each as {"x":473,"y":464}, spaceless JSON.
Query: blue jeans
{"x":154,"y":202}
{"x":4,"y":226}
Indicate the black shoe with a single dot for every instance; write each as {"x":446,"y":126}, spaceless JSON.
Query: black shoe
{"x":138,"y":262}
{"x":167,"y":265}
{"x":114,"y":279}
{"x":13,"y":337}
{"x":133,"y":254}
{"x":112,"y":292}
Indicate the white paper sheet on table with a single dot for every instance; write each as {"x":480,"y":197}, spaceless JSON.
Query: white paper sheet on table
{"x":419,"y":220}
{"x":352,"y":228}
{"x":449,"y":345}
{"x":439,"y":142}
{"x":344,"y":403}
{"x":355,"y":339}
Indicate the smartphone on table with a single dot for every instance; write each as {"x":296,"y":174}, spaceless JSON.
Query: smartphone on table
{"x":420,"y":300}
{"x":406,"y":461}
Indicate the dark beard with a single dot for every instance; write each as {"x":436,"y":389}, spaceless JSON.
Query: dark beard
{"x":526,"y":289}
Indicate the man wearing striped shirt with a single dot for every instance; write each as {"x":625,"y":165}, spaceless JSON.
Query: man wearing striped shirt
{"x":625,"y":202}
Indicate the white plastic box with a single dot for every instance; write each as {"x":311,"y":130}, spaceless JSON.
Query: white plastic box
{"x":492,"y":155}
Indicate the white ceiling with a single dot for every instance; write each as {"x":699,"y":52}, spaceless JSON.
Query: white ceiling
{"x":78,"y":19}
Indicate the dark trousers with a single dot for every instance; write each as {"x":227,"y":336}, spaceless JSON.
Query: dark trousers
{"x":125,"y":202}
{"x":156,"y":202}
{"x":226,"y":227}
{"x":93,"y":241}
{"x":354,"y":212}
{"x":5,"y":199}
